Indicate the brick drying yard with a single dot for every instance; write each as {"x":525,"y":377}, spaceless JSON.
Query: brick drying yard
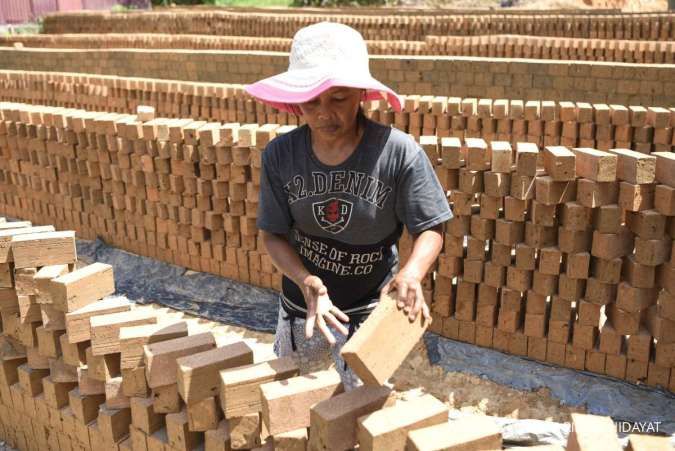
{"x":551,"y":132}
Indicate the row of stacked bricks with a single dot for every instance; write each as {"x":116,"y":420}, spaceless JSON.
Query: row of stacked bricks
{"x":502,"y":46}
{"x":562,"y":255}
{"x":657,"y":26}
{"x":543,"y":250}
{"x":83,"y":370}
{"x":574,"y":124}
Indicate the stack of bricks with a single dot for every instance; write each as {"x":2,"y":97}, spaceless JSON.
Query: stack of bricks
{"x":558,"y":48}
{"x":80,"y":373}
{"x":499,"y":46}
{"x":408,"y":27}
{"x":168,"y":41}
{"x":82,"y":370}
{"x":563,"y":247}
{"x":462,"y":76}
{"x":575,"y":124}
{"x":561,"y":255}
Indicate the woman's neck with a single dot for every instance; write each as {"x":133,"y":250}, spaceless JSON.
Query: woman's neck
{"x":336,"y":151}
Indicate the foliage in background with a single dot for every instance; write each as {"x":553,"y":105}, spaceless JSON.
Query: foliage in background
{"x":253,"y":3}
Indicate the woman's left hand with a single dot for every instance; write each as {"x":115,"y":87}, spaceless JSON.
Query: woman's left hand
{"x":410,"y":295}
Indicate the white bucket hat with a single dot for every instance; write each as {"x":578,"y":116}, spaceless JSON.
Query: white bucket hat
{"x":323,"y":55}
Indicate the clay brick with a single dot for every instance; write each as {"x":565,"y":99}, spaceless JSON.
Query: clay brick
{"x":453,"y":155}
{"x":632,"y":299}
{"x":664,"y":200}
{"x":610,"y":245}
{"x":286,"y":404}
{"x":363,"y":352}
{"x":473,"y":432}
{"x":592,"y":432}
{"x":114,"y":424}
{"x":291,"y":441}
{"x":634,"y":167}
{"x":178,"y":434}
{"x":161,"y":357}
{"x":522,"y":187}
{"x":549,"y":191}
{"x":665,"y":168}
{"x":595,"y":165}
{"x":574,"y":241}
{"x":81,"y":287}
{"x":652,"y":252}
{"x":198,"y":374}
{"x":646,"y":442}
{"x":575,"y":357}
{"x":555,"y":353}
{"x":661,"y":328}
{"x":647,"y":224}
{"x":501,"y":155}
{"x":536,"y":348}
{"x":625,"y":323}
{"x":595,"y":361}
{"x":333,"y":421}
{"x":166,"y":399}
{"x":133,"y":338}
{"x":387,"y":429}
{"x":596,"y":194}
{"x":218,"y":439}
{"x":30,"y":250}
{"x":143,"y":416}
{"x":559,"y":163}
{"x":544,"y":284}
{"x":78,"y":322}
{"x":105,"y":329}
{"x":636,"y":197}
{"x":478,"y":154}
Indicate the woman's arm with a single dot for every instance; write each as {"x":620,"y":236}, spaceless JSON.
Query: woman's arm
{"x":320,"y":309}
{"x":284,"y":257}
{"x":408,"y":281}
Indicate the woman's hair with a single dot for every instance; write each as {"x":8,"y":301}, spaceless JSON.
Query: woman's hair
{"x":361,"y":119}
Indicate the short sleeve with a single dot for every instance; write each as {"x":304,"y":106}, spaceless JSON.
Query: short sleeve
{"x":421,"y":202}
{"x":274,"y":214}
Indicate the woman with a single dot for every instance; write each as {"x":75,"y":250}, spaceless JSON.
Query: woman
{"x":335,"y":194}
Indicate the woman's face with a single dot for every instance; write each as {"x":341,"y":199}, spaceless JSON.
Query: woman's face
{"x":332,"y":115}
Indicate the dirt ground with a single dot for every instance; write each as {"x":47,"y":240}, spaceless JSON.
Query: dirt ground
{"x":467,"y":393}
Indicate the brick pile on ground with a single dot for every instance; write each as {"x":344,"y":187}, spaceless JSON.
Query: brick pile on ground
{"x":83,"y":370}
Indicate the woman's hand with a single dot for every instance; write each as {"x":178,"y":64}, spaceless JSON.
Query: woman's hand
{"x":410,"y":295}
{"x":320,"y":310}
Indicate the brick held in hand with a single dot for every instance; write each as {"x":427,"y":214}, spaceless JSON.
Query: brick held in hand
{"x":371,"y":352}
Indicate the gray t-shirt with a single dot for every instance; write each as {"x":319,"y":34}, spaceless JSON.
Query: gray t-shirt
{"x":344,"y":220}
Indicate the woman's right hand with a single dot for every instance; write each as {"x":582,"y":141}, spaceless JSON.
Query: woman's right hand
{"x":320,"y":310}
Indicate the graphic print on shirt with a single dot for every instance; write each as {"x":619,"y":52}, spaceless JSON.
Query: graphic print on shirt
{"x":333,"y":214}
{"x":358,"y":184}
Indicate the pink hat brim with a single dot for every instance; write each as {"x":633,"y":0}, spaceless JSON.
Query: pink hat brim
{"x":281,"y":95}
